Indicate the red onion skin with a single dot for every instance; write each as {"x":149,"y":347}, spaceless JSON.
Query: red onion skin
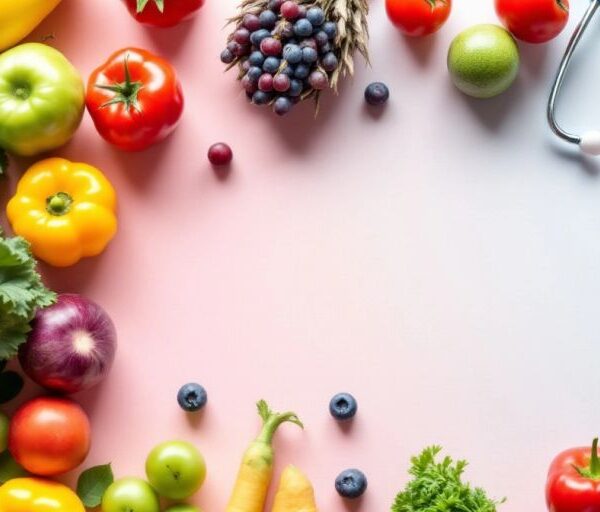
{"x":71,"y":346}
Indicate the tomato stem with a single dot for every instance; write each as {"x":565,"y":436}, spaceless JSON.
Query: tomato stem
{"x":593,"y":470}
{"x":125,"y":92}
{"x":59,"y":204}
{"x":141,"y":5}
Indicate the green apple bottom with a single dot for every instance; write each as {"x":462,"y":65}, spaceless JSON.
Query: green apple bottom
{"x":175,"y":470}
{"x":483,"y":61}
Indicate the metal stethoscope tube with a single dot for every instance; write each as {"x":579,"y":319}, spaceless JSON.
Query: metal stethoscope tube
{"x":589,"y":142}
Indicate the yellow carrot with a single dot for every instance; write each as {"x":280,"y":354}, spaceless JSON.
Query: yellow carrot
{"x":295,"y":492}
{"x":255,"y":473}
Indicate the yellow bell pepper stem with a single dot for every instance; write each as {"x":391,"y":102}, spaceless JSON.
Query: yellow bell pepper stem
{"x":65,"y":210}
{"x":19,"y":17}
{"x":38,"y":495}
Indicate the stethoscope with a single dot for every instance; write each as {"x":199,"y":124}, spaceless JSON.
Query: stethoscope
{"x":589,"y":142}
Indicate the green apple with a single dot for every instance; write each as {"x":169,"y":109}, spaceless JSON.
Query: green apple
{"x":130,"y":494}
{"x":4,"y":422}
{"x":483,"y":60}
{"x":183,"y":508}
{"x":176,"y":469}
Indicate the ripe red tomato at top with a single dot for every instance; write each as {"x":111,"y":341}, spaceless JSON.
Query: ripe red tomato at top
{"x":49,"y":436}
{"x":163,"y":13}
{"x":533,"y":21}
{"x":418,"y":17}
{"x":134,"y":99}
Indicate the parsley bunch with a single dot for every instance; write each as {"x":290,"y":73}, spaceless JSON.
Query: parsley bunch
{"x":21,"y":294}
{"x":437,"y":487}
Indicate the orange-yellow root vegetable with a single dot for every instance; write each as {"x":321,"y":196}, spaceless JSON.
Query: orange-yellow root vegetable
{"x":295,"y":492}
{"x":255,"y":473}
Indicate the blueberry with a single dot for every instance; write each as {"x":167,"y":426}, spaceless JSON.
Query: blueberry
{"x":275,"y":5}
{"x":292,"y":53}
{"x":296,"y":88}
{"x":309,"y":55}
{"x":192,"y":397}
{"x":303,"y":28}
{"x":282,"y":105}
{"x":316,"y":16}
{"x":302,"y":71}
{"x":351,"y":483}
{"x":321,"y":38}
{"x":227,"y":56}
{"x":288,"y":70}
{"x":257,"y":37}
{"x":254,"y":73}
{"x":326,"y":48}
{"x":330,"y":28}
{"x":343,"y":406}
{"x":377,"y":93}
{"x":267,"y":19}
{"x":256,"y":59}
{"x":261,"y":98}
{"x":271,"y":65}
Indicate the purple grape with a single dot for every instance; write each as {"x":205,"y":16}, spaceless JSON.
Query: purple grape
{"x":309,"y":55}
{"x":318,"y":80}
{"x":302,"y":13}
{"x":288,"y":70}
{"x":251,"y":22}
{"x":292,"y":53}
{"x":309,"y":43}
{"x":329,"y":62}
{"x":326,"y":48}
{"x":303,"y":28}
{"x":290,"y":10}
{"x":282,"y":105}
{"x":271,"y":46}
{"x":256,"y":59}
{"x":377,"y":93}
{"x":296,"y":88}
{"x":274,"y":5}
{"x":265,"y":82}
{"x":261,"y":98}
{"x":242,"y":36}
{"x":271,"y":65}
{"x":245,"y":65}
{"x":267,"y":19}
{"x":316,"y":16}
{"x":254,"y":73}
{"x":227,"y":56}
{"x":330,"y":28}
{"x":281,"y":82}
{"x":243,"y":49}
{"x":302,"y":71}
{"x":321,"y":38}
{"x":233,"y":46}
{"x":258,"y":36}
{"x":248,"y":84}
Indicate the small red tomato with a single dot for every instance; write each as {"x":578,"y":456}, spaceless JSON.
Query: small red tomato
{"x":163,"y":13}
{"x":49,"y":436}
{"x":418,"y":17}
{"x":135,"y":99}
{"x":533,"y":21}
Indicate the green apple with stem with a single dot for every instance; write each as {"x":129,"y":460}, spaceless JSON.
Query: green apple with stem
{"x":176,"y":469}
{"x":130,"y":494}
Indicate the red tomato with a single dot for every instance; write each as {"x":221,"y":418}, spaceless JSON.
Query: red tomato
{"x":534,"y":21}
{"x":418,"y":17}
{"x":135,"y":99}
{"x":49,"y":436}
{"x":163,"y":13}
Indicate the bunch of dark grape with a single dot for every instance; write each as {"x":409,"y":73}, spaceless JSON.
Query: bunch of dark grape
{"x":286,"y":52}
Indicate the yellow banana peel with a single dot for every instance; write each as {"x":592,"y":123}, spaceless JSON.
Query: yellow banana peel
{"x":18,"y":18}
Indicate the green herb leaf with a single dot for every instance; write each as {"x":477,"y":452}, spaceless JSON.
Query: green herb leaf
{"x":11,"y":384}
{"x":3,"y":162}
{"x":21,"y":294}
{"x":92,"y":484}
{"x":9,"y":469}
{"x":438,"y":487}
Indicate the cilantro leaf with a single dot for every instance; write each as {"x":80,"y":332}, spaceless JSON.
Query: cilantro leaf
{"x":21,"y":293}
{"x":438,"y":487}
{"x":92,"y":484}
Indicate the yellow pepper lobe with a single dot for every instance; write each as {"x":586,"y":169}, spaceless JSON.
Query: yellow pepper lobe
{"x":38,"y":495}
{"x":19,"y":18}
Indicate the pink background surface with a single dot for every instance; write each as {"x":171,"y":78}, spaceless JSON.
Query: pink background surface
{"x":438,"y":261}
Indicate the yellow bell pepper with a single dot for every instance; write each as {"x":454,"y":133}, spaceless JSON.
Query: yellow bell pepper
{"x":38,"y":495}
{"x":65,"y":210}
{"x":18,"y":18}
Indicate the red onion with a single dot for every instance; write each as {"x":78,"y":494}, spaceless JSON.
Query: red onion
{"x":71,"y":346}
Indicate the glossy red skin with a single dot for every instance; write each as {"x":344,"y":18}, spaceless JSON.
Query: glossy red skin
{"x":417,"y":18}
{"x":566,"y":489}
{"x":175,"y":12}
{"x":49,"y":436}
{"x":533,"y":21}
{"x":160,"y":101}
